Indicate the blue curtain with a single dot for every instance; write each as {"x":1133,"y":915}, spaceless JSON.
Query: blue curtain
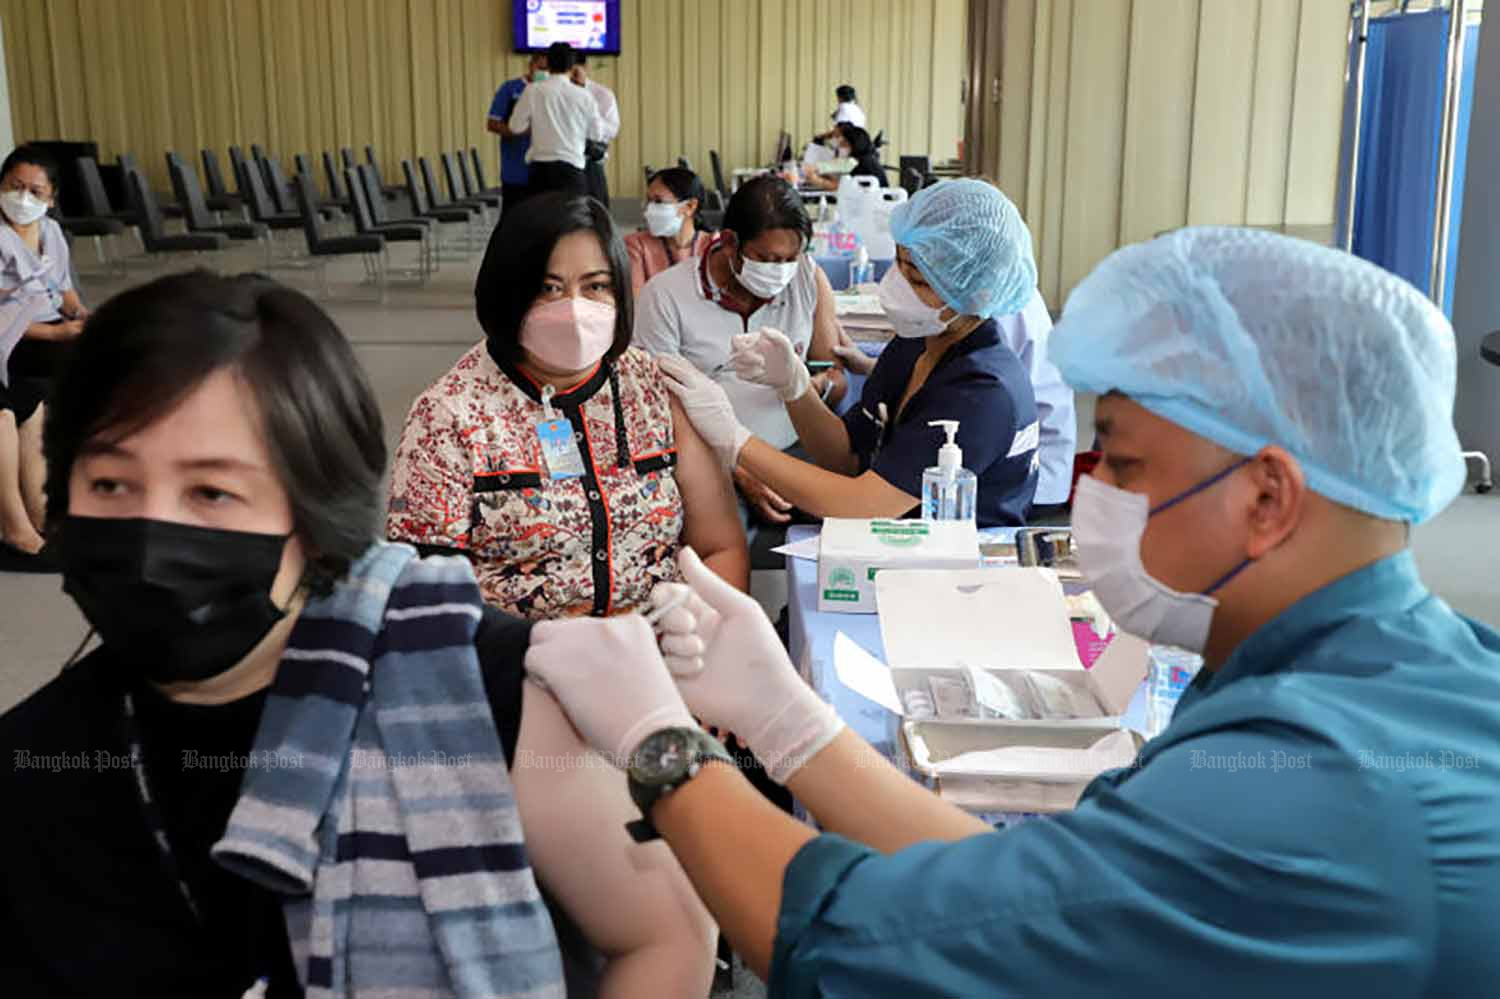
{"x":1401,"y":127}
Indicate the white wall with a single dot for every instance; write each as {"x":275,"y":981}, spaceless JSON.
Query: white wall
{"x":1476,"y":294}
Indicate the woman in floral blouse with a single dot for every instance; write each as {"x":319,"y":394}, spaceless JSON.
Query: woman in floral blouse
{"x":551,"y":453}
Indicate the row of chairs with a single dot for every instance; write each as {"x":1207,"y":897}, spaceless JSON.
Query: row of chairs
{"x":266,"y":203}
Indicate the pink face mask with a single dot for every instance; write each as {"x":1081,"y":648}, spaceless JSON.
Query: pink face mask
{"x":569,"y":334}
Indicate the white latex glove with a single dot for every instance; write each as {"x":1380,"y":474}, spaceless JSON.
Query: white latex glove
{"x":854,"y":359}
{"x":610,"y":680}
{"x":767,"y":357}
{"x":733,"y":671}
{"x":708,"y":408}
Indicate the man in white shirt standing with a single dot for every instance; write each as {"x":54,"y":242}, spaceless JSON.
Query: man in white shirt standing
{"x":597,"y":149}
{"x":848,"y":110}
{"x":559,"y":115}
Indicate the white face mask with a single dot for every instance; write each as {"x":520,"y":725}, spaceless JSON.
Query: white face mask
{"x":22,"y":207}
{"x":766,"y":280}
{"x":911,"y":317}
{"x":663,"y":219}
{"x":1108,"y":525}
{"x":540,"y":76}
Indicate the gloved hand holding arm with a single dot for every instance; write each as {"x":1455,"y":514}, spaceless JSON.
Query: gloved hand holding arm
{"x":732,"y":670}
{"x":708,"y":408}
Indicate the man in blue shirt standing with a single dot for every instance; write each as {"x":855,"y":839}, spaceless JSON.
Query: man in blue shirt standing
{"x":514,"y":176}
{"x":1319,"y":818}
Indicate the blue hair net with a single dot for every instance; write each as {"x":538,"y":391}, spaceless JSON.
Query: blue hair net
{"x":970,"y":244}
{"x":1248,"y":338}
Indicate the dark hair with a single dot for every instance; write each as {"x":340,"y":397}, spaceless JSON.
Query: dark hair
{"x":147,"y":348}
{"x":684,"y":184}
{"x":860,"y":143}
{"x":31,"y":156}
{"x":764,"y":203}
{"x":844,"y":92}
{"x":560,"y":57}
{"x":580,"y":57}
{"x":515,"y":265}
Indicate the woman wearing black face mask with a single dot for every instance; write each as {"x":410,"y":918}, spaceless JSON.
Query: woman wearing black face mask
{"x":281,"y":704}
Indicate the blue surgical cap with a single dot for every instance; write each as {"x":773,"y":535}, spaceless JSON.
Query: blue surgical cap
{"x":970,"y":244}
{"x":1249,"y":338}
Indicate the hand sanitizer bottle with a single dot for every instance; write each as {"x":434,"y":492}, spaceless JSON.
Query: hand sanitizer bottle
{"x":861,"y":271}
{"x":948,"y":489}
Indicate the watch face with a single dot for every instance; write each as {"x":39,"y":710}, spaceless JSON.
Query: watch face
{"x":664,"y":754}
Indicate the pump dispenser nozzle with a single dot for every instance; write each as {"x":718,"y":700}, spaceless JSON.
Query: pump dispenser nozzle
{"x":950,"y":455}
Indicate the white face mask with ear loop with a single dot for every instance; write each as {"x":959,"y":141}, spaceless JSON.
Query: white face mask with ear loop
{"x":1108,"y":525}
{"x":765,"y":279}
{"x":663,"y":219}
{"x":912,"y":318}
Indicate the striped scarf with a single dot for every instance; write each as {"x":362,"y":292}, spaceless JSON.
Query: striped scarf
{"x":391,"y":827}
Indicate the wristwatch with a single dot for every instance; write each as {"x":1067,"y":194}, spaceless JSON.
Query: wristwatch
{"x":664,"y":761}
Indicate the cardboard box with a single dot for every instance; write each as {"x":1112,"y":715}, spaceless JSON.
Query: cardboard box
{"x":960,"y":626}
{"x":851,"y":553}
{"x":999,"y":621}
{"x":1020,"y":768}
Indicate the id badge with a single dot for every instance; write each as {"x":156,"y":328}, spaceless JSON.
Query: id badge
{"x":560,"y":449}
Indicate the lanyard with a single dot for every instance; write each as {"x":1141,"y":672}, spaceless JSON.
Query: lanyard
{"x":150,"y":809}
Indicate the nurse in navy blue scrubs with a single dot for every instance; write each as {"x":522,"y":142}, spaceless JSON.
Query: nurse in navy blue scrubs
{"x":963,"y":259}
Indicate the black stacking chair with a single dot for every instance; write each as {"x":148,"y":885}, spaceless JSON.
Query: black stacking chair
{"x":648,"y":172}
{"x":460,"y":184}
{"x":262,"y":209}
{"x":422,"y":209}
{"x":154,"y":236}
{"x":95,"y":200}
{"x":391,"y":191}
{"x":336,"y":197}
{"x":436,"y":200}
{"x":167,"y":209}
{"x":370,"y":216}
{"x":330,"y":213}
{"x":482,"y":186}
{"x":718,"y":168}
{"x":218,"y":197}
{"x":195,"y":207}
{"x":368,"y":245}
{"x":346,"y":157}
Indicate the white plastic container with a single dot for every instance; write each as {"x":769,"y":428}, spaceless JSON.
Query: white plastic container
{"x":878,"y":232}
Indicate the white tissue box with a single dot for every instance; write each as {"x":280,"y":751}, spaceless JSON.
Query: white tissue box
{"x":852,"y":552}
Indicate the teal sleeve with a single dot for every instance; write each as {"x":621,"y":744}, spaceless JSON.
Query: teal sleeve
{"x":1248,"y":862}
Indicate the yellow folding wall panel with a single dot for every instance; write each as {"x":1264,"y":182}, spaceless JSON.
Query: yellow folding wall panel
{"x":416,"y":76}
{"x":1118,"y":119}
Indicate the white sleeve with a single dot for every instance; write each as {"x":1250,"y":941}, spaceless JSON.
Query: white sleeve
{"x":609,"y":111}
{"x":520,"y":115}
{"x":658,"y":330}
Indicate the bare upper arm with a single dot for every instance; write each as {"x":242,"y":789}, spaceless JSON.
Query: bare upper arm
{"x":574,"y":805}
{"x":711,"y":523}
{"x":825,"y":331}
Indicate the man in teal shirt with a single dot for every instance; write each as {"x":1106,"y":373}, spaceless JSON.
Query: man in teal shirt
{"x":1318,"y":819}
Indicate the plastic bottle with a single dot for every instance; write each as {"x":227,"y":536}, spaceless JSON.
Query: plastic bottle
{"x":949,"y":490}
{"x":1171,"y":671}
{"x":861,"y":271}
{"x":843,"y":241}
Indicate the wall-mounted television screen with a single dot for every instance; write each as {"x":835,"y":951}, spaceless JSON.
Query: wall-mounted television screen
{"x":589,"y":25}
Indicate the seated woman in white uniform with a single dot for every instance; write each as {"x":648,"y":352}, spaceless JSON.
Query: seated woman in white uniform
{"x":39,"y":314}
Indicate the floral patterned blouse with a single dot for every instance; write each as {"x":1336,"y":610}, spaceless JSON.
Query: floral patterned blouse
{"x":470,"y":475}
